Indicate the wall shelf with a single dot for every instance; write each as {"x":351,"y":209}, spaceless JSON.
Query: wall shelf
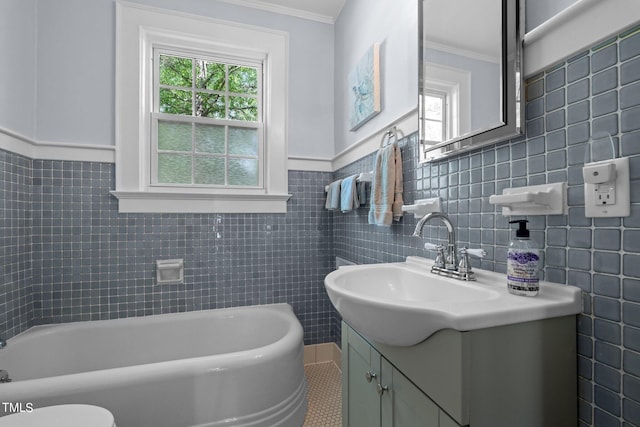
{"x":545,"y":199}
{"x":423,"y":206}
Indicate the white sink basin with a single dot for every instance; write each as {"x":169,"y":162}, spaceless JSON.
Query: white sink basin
{"x":403,"y":303}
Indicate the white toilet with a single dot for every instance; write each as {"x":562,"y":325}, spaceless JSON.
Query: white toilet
{"x":61,"y":416}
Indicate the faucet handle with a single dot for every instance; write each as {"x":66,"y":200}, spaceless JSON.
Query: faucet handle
{"x":440,"y":257}
{"x":479,"y":253}
{"x":433,"y":247}
{"x":464,"y":266}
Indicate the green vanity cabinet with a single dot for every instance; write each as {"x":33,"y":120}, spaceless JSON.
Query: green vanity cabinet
{"x":359,"y":381}
{"x":376,"y":394}
{"x":521,"y":375}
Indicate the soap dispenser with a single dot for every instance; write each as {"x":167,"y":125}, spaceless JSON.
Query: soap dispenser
{"x":523,"y":263}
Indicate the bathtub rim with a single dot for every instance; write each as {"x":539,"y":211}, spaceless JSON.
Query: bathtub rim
{"x":133,"y":374}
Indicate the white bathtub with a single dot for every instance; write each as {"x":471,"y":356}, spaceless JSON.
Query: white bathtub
{"x":227,"y":367}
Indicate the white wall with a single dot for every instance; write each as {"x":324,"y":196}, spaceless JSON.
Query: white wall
{"x":75,"y":75}
{"x":17,"y":73}
{"x":393,"y":24}
{"x":76,"y":62}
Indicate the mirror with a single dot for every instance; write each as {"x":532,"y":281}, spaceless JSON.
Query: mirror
{"x":470,"y":78}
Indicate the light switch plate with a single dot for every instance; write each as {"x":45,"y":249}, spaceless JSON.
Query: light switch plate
{"x":609,"y":199}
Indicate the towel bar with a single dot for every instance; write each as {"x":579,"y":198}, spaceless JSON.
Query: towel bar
{"x":392,"y":132}
{"x":363,"y":177}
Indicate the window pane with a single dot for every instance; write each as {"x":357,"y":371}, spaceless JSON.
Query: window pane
{"x":245,"y":109}
{"x":210,"y":139}
{"x":243,"y":141}
{"x":243,"y":80}
{"x":210,"y":105}
{"x":175,"y":71}
{"x":174,"y":136}
{"x":210,"y":75}
{"x":243,"y":172}
{"x":174,"y":169}
{"x":433,"y":131}
{"x":210,"y":170}
{"x":433,"y":107}
{"x":175,"y":102}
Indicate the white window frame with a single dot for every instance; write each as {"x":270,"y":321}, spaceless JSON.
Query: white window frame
{"x":140,"y":30}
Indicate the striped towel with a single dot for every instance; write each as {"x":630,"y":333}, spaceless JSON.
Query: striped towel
{"x":386,"y":187}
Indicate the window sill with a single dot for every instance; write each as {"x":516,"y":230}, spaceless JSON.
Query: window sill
{"x":167,"y":202}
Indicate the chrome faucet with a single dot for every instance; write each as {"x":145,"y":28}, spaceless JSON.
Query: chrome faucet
{"x":450,"y":259}
{"x":446,"y":264}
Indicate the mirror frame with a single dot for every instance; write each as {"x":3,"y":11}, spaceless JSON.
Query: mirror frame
{"x":513,"y":27}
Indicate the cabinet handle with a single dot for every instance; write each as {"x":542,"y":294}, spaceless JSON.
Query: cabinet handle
{"x":381,"y":389}
{"x":370,"y":376}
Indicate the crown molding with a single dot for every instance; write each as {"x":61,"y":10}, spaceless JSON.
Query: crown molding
{"x":283,"y":10}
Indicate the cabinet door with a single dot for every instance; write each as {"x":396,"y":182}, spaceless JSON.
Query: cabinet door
{"x":360,"y":376}
{"x":403,"y":404}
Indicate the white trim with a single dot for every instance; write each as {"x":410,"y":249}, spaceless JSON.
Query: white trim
{"x":407,"y":123}
{"x":314,"y":164}
{"x":283,"y":10}
{"x":45,"y":150}
{"x":580,"y":26}
{"x":171,"y":202}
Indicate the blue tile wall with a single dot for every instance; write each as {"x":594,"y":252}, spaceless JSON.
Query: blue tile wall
{"x":16,"y":304}
{"x":594,"y":92}
{"x":76,"y":258}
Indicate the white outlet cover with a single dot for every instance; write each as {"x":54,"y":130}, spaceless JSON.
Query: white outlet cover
{"x":622,"y":205}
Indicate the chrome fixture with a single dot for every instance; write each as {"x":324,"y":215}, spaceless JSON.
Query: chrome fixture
{"x":3,"y":343}
{"x":4,"y":376}
{"x":446,"y":263}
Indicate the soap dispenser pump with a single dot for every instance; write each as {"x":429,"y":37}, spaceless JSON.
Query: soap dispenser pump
{"x":523,"y":263}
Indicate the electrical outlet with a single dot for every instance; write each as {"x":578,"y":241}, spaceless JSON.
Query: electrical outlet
{"x":606,"y":188}
{"x":605,"y":194}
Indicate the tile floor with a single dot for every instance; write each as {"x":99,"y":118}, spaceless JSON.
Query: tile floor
{"x":324,"y":382}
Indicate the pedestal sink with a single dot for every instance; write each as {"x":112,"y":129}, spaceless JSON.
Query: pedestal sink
{"x":402,"y":304}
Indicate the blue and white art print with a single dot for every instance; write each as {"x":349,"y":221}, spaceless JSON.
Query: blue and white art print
{"x":364,"y":88}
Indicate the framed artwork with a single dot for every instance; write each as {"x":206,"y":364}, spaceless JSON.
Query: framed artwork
{"x":364,"y":88}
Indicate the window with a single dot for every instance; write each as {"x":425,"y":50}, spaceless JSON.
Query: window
{"x":435,"y":116}
{"x":207,"y":122}
{"x":200,"y":114}
{"x":446,"y":106}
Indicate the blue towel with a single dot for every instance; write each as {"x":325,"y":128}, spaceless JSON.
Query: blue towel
{"x":333,"y":196}
{"x":386,"y":187}
{"x":361,"y":188}
{"x":349,"y":194}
